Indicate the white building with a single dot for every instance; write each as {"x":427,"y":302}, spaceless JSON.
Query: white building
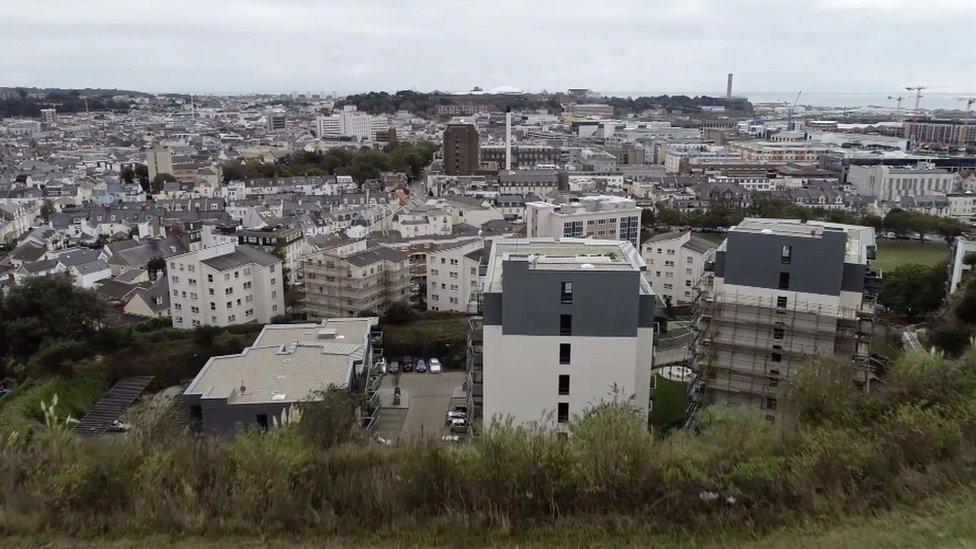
{"x":891,"y":182}
{"x":225,"y":285}
{"x":603,"y":217}
{"x":675,"y":264}
{"x":961,"y":247}
{"x":452,"y":274}
{"x":350,"y":122}
{"x":566,"y":325}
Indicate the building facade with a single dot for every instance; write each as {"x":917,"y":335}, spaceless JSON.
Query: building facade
{"x":566,"y":325}
{"x":676,"y":263}
{"x":225,"y":285}
{"x":452,"y":275}
{"x":603,"y":217}
{"x":784,"y":291}
{"x":367,"y":279}
{"x":460,"y":149}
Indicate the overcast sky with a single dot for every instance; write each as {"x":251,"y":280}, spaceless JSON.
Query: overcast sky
{"x":607,"y":45}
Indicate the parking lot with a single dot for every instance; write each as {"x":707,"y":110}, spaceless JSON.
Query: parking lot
{"x":426,"y":399}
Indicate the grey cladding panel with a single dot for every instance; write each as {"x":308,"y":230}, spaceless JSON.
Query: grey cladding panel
{"x":816,"y":265}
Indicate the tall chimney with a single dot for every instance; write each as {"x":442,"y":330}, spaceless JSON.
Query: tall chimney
{"x":508,"y":138}
{"x":728,"y":88}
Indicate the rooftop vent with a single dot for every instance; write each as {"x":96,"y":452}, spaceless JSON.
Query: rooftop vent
{"x":327,"y":333}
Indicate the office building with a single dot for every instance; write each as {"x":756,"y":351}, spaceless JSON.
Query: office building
{"x":355,"y":279}
{"x":778,"y":151}
{"x":602,"y":217}
{"x":349,"y":122}
{"x":275,"y":120}
{"x":784,"y":291}
{"x":566,"y":325}
{"x":225,"y":285}
{"x":676,"y":263}
{"x":287,"y":364}
{"x":893,"y":182}
{"x":460,"y":149}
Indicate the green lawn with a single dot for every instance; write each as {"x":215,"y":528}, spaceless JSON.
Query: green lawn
{"x":892,"y":253}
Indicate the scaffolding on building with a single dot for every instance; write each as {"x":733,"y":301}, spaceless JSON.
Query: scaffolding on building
{"x":745,"y":347}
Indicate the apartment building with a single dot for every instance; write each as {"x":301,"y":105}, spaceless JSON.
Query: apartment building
{"x":452,"y":275}
{"x":350,"y":280}
{"x":958,"y":266}
{"x":275,"y":120}
{"x":159,"y":160}
{"x":225,"y":285}
{"x":286,"y":365}
{"x":778,"y":151}
{"x":289,"y":242}
{"x":460,"y":149}
{"x":893,"y":182}
{"x":675,"y":264}
{"x":421,"y":220}
{"x":784,"y":291}
{"x":566,"y":325}
{"x":604,"y":217}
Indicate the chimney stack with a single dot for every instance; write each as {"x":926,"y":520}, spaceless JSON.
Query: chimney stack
{"x":728,"y":88}
{"x":508,"y":138}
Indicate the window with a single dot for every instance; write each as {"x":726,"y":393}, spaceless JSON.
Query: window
{"x":781,"y":302}
{"x":563,"y":384}
{"x":228,"y":291}
{"x":213,"y":306}
{"x":237,"y":274}
{"x":564,"y":353}
{"x":562,"y":412}
{"x":262,"y":420}
{"x":565,"y":325}
{"x":209,"y":278}
{"x":566,"y":293}
{"x":779,"y":330}
{"x":231,"y":318}
{"x":784,"y":281}
{"x":194,"y":310}
{"x":787,"y":255}
{"x":776,"y":355}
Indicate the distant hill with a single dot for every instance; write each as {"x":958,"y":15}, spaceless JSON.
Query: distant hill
{"x":23,"y":101}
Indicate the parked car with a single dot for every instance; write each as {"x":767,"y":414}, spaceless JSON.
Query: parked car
{"x":407,"y":364}
{"x":421,"y":366}
{"x":393,"y":367}
{"x":435,"y":366}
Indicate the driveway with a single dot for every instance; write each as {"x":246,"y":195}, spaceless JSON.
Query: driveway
{"x":427,"y":397}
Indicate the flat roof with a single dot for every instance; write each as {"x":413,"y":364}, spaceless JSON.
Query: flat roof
{"x":859,"y":238}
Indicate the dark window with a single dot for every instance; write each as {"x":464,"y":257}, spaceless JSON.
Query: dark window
{"x":562,"y":412}
{"x":564,"y":353}
{"x":263,"y":421}
{"x":566,"y":293}
{"x":564,"y":384}
{"x":787,"y":255}
{"x":784,"y":281}
{"x":781,"y":302}
{"x":565,"y":325}
{"x":776,"y":355}
{"x":779,"y":330}
{"x":770,"y":403}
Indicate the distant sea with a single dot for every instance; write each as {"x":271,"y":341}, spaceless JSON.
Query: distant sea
{"x":930,"y":100}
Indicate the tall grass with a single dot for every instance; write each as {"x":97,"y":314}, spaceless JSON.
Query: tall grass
{"x":842,"y":450}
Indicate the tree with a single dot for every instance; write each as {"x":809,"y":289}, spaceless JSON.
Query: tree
{"x":47,"y":309}
{"x":159,"y":181}
{"x":47,"y":208}
{"x":127,"y":175}
{"x":913,"y":289}
{"x":156,"y":265}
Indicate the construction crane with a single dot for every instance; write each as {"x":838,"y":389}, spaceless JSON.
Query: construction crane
{"x":918,"y":97}
{"x":897,"y":101}
{"x":789,"y":113}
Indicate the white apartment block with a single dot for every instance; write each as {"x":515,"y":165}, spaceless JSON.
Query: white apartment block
{"x":350,"y":122}
{"x":452,"y":275}
{"x":675,"y":264}
{"x":602,"y":217}
{"x":961,"y":247}
{"x":225,"y":285}
{"x":566,"y":325}
{"x":891,"y":183}
{"x":421,"y":220}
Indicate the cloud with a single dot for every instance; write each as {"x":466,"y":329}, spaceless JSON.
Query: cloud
{"x":615,"y":45}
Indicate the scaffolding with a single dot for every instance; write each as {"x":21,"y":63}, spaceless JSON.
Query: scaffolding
{"x":745,"y":347}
